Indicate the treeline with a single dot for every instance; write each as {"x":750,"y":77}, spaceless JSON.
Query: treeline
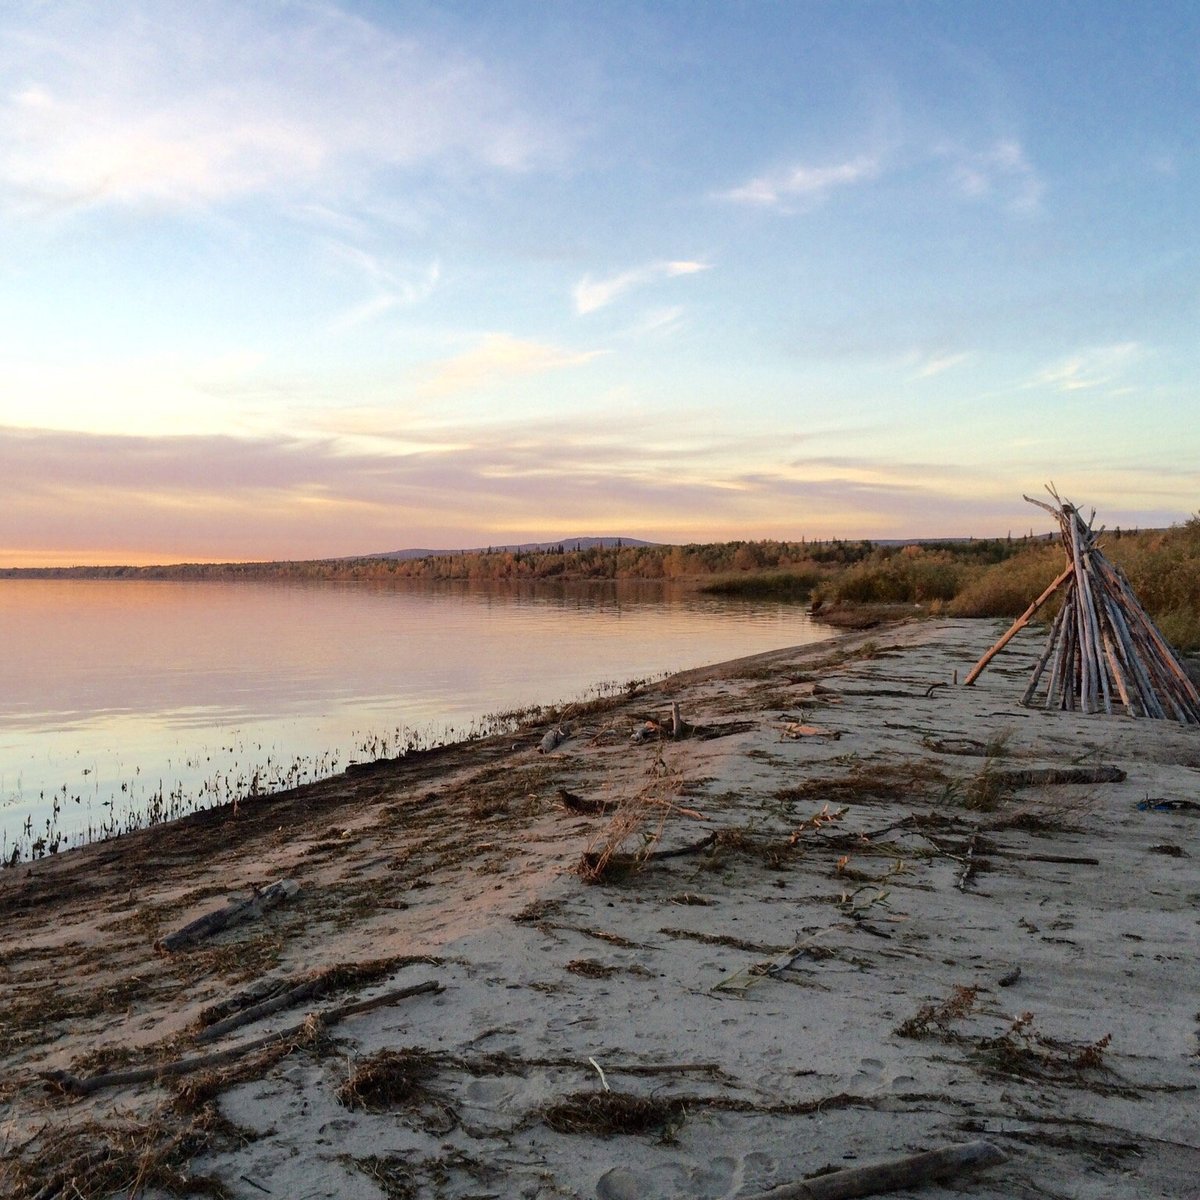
{"x":694,"y":561}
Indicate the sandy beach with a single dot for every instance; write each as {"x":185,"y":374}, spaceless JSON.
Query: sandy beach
{"x":856,"y":912}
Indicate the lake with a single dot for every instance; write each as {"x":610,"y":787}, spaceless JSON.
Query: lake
{"x":124,"y":702}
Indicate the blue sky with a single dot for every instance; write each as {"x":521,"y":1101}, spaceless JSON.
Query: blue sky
{"x":306,"y":279}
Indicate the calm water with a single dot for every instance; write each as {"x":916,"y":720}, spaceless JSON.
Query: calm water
{"x":123,"y":702}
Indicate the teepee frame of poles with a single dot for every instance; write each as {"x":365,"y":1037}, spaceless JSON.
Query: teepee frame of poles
{"x":1103,"y":649}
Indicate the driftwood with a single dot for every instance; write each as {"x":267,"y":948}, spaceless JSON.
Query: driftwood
{"x":234,"y":913}
{"x":1103,"y":651}
{"x":307,"y":990}
{"x":86,"y":1085}
{"x":912,"y":1171}
{"x":553,"y":737}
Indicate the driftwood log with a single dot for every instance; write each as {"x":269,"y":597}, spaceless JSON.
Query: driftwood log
{"x":86,"y":1085}
{"x":912,"y":1171}
{"x":234,"y":913}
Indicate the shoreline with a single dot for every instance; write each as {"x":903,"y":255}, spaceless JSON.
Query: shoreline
{"x":808,"y":971}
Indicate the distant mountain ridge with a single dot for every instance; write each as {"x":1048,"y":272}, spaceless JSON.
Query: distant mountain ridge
{"x":575,"y":543}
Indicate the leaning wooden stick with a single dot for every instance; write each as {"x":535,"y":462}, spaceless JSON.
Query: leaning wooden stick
{"x":1019,"y":624}
{"x":912,"y":1171}
{"x":85,"y":1086}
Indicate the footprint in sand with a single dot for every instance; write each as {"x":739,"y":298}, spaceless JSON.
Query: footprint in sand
{"x":874,"y":1073}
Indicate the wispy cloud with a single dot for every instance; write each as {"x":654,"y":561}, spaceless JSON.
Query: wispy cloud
{"x":934,"y":364}
{"x":660,"y":321}
{"x":175,"y":106}
{"x":393,"y":286}
{"x":999,"y":171}
{"x":498,"y":358}
{"x":803,"y":182}
{"x":1096,"y":367}
{"x":591,"y":294}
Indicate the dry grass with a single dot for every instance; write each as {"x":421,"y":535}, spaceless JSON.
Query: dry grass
{"x":591,"y":969}
{"x":643,"y":814}
{"x":398,"y":1081}
{"x":938,"y":1017}
{"x":1023,"y":1052}
{"x":604,"y":1114}
{"x":389,"y":1080}
{"x":120,"y":1159}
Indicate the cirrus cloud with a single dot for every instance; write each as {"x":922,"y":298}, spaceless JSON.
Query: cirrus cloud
{"x":591,"y":294}
{"x":803,"y":182}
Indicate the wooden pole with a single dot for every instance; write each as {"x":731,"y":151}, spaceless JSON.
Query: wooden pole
{"x":1018,"y":625}
{"x":1051,"y":642}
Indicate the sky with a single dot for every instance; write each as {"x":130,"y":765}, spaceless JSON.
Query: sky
{"x":295,"y":280}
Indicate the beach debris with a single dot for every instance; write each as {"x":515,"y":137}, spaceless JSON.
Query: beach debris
{"x":271,"y":996}
{"x":594,"y":869}
{"x":632,"y":817}
{"x":1009,"y":977}
{"x":608,"y":1112}
{"x":897,"y":1174}
{"x":1158,"y":804}
{"x":583,"y":806}
{"x":294,"y":1036}
{"x":554,"y":737}
{"x":603,"y":1081}
{"x":743,"y":980}
{"x":796,"y":730}
{"x":646,"y":731}
{"x":1103,"y":650}
{"x":260,"y":901}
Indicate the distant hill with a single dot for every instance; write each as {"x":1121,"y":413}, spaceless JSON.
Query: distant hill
{"x":574,"y":543}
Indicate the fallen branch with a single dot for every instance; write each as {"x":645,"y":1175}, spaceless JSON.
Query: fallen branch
{"x":307,"y":990}
{"x":86,"y":1085}
{"x":258,"y":903}
{"x":912,"y":1171}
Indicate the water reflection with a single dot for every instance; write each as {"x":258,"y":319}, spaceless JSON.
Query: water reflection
{"x":129,"y":696}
